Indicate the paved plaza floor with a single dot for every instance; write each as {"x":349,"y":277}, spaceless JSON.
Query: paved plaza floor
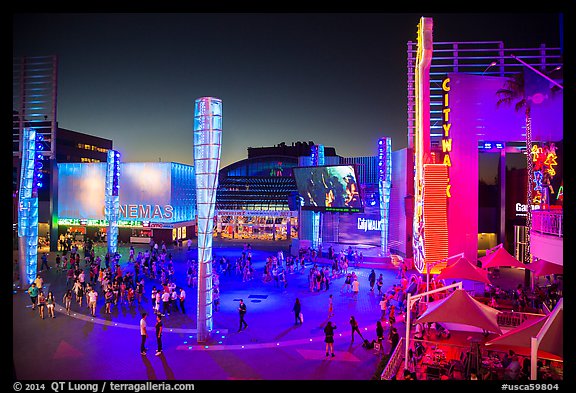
{"x":272,"y":347}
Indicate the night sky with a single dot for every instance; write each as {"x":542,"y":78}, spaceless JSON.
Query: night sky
{"x":337,"y":79}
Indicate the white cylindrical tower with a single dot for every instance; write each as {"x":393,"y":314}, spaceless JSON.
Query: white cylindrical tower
{"x":207,"y":148}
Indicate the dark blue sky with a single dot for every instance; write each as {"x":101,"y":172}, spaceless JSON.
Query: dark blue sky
{"x":337,"y":79}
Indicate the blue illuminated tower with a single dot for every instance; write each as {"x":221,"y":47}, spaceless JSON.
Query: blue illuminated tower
{"x":384,"y":185}
{"x":207,"y":148}
{"x":30,"y":181}
{"x":112,"y":202}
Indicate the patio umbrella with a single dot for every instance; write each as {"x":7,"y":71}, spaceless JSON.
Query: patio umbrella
{"x":463,"y":269}
{"x":500,"y":257}
{"x":460,"y":307}
{"x":545,"y":268}
{"x":519,"y":339}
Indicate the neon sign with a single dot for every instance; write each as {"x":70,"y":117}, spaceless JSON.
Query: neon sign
{"x":446,"y":137}
{"x":366,"y":224}
{"x":143,"y":212}
{"x":544,"y":160}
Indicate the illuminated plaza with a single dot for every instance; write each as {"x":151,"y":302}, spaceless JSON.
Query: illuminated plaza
{"x":464,"y":275}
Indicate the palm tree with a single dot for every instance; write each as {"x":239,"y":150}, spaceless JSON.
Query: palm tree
{"x":513,"y":91}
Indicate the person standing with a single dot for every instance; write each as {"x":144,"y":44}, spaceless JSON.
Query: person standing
{"x":383,"y":307}
{"x":392,"y":316}
{"x":372,"y":279}
{"x":380,"y":283}
{"x":216,"y":299}
{"x":355,"y":328}
{"x":379,"y":333}
{"x":143,"y":334}
{"x":242,"y":312}
{"x":166,"y":302}
{"x":158,"y":334}
{"x":181,"y":299}
{"x":297,"y":312}
{"x":329,"y":338}
{"x":174,"y":299}
{"x":355,"y":289}
{"x":393,"y":338}
{"x":33,"y":292}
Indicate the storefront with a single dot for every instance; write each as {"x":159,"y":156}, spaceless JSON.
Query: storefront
{"x":262,"y":225}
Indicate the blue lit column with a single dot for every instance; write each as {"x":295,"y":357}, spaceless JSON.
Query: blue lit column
{"x":30,"y":173}
{"x":111,"y":202}
{"x":317,"y":158}
{"x":384,"y":185}
{"x":207,"y":148}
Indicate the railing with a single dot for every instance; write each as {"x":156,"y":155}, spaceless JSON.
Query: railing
{"x":511,"y":319}
{"x":548,"y":222}
{"x":394,"y":362}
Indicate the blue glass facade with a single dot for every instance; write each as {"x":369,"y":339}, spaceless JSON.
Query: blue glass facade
{"x":160,"y":192}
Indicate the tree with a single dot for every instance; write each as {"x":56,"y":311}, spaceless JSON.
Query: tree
{"x":513,"y":92}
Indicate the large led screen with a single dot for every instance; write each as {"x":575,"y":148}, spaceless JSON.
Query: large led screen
{"x":330,"y":188}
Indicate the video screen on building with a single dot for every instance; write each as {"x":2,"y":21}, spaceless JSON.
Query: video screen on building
{"x":330,"y":188}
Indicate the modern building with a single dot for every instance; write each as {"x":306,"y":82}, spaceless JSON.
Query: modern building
{"x":157,"y":201}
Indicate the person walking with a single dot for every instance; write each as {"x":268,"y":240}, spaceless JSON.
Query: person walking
{"x":41,"y":303}
{"x":330,"y":306}
{"x":67,"y":299}
{"x":355,"y":328}
{"x":39,"y":282}
{"x":44,"y":262}
{"x":158,"y":327}
{"x":297,"y":312}
{"x":108,"y":299}
{"x":92,"y":298}
{"x":329,"y":338}
{"x":50,"y":304}
{"x":143,"y":334}
{"x":33,"y":293}
{"x":242,"y":312}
